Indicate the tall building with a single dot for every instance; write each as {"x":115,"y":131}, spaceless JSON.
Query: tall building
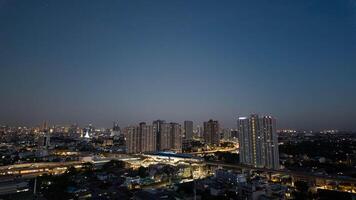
{"x":211,"y":132}
{"x":258,"y":141}
{"x":144,"y":138}
{"x":133,"y":139}
{"x":44,"y":126}
{"x":74,"y":131}
{"x":157,"y":127}
{"x":140,"y":139}
{"x":226,"y":134}
{"x":188,"y":129}
{"x":200,"y":132}
{"x":165,"y":137}
{"x":148,"y":138}
{"x":176,"y":137}
{"x":44,"y":140}
{"x":116,"y":131}
{"x":170,"y":137}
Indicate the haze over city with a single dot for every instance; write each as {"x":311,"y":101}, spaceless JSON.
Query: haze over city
{"x":102,"y":61}
{"x":177,"y":99}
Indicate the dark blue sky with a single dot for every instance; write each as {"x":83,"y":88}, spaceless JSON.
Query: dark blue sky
{"x":99,"y":61}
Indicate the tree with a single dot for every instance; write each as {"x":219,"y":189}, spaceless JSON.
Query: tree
{"x":301,"y":190}
{"x":114,"y":165}
{"x":142,"y":172}
{"x":88,"y":168}
{"x":56,"y":186}
{"x":72,"y":171}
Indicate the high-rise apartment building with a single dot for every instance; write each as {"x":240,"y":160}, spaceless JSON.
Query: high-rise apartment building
{"x":211,"y":132}
{"x":133,"y":139}
{"x":165,"y":137}
{"x":258,"y":141}
{"x":144,"y":138}
{"x":176,"y":137}
{"x":157,"y":127}
{"x":140,"y":139}
{"x":188,"y":130}
{"x":170,"y":137}
{"x":148,"y":138}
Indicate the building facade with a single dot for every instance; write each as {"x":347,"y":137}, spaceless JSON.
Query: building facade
{"x":258,"y":141}
{"x":211,"y":132}
{"x":170,"y":137}
{"x":133,"y":139}
{"x":157,"y":128}
{"x":176,"y":137}
{"x":188,"y":130}
{"x":144,"y":138}
{"x":140,"y":139}
{"x":148,"y":138}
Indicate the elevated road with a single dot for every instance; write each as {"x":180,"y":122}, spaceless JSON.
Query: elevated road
{"x":29,"y":170}
{"x":306,"y":175}
{"x":35,"y":169}
{"x":214,"y":151}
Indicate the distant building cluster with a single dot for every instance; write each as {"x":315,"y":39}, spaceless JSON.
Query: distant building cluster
{"x":163,"y":136}
{"x":256,"y":136}
{"x":207,"y":161}
{"x":160,"y":136}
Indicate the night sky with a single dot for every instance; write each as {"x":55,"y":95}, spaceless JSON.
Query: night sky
{"x":100,"y":61}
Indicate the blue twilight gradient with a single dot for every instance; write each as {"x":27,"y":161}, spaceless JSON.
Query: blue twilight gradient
{"x":99,"y":61}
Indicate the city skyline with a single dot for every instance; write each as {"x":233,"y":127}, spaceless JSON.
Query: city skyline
{"x":96,"y":62}
{"x":198,"y":126}
{"x":178,"y":99}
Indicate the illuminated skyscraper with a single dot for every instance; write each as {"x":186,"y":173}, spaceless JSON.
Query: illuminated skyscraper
{"x":211,"y":132}
{"x":258,"y":141}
